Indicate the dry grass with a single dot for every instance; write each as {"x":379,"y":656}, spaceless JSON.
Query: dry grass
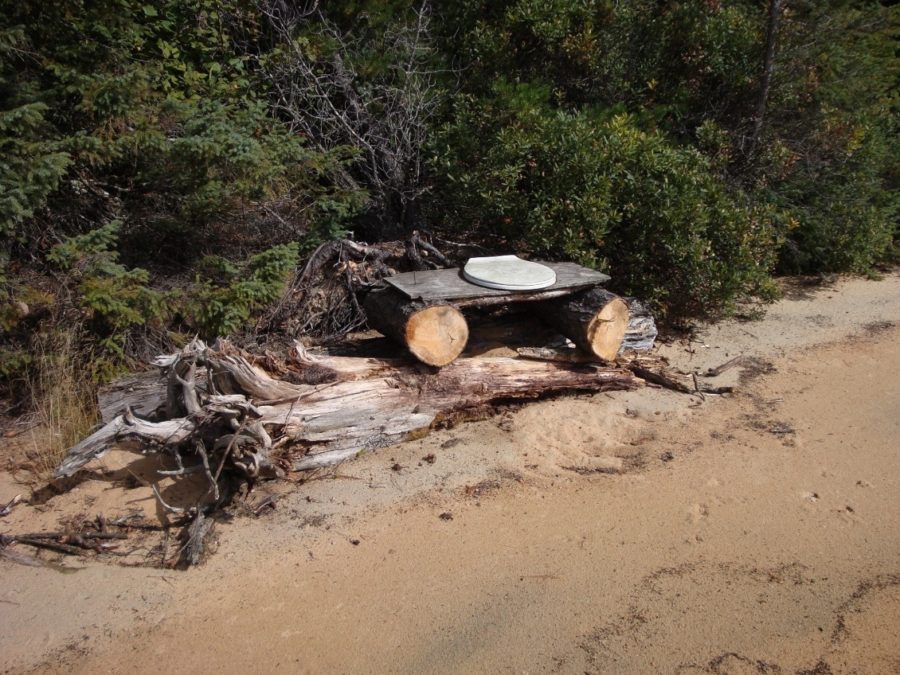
{"x":63,"y":401}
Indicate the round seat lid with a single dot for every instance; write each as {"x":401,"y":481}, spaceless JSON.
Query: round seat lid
{"x":508,"y":273}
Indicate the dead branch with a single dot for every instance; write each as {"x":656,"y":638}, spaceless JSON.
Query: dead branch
{"x":718,"y":370}
{"x":385,"y":118}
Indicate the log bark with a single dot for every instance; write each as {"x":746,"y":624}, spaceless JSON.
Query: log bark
{"x":595,"y":320}
{"x":435,"y":334}
{"x":641,"y":333}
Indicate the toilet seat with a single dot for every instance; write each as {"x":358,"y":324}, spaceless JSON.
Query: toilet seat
{"x":508,"y":273}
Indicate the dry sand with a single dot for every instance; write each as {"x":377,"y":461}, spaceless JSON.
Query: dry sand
{"x":628,"y":532}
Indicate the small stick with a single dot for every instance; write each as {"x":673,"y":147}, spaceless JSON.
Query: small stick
{"x":660,"y":379}
{"x":267,"y":502}
{"x":558,"y":355}
{"x":718,"y":370}
{"x":213,"y":482}
{"x":6,"y":509}
{"x":227,"y":452}
{"x":697,"y":386}
{"x":167,"y":507}
{"x":68,"y":536}
{"x":50,"y":545}
{"x":181,"y":472}
{"x":164,"y":545}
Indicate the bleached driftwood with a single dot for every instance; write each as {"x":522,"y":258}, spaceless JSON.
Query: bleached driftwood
{"x":233,"y":408}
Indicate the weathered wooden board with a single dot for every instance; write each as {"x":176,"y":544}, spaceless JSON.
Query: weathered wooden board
{"x":450,"y":286}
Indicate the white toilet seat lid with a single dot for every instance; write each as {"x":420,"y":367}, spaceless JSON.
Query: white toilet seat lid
{"x":508,"y":273}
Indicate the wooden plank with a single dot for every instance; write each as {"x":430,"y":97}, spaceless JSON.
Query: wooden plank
{"x":449,"y":285}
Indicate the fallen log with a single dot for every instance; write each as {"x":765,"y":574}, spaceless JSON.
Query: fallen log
{"x":595,"y":320}
{"x":382,"y":402}
{"x":367,"y":414}
{"x":434,"y":333}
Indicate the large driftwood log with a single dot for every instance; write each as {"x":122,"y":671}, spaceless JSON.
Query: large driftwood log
{"x":366,"y":414}
{"x":379,"y":403}
{"x":434,"y":334}
{"x":595,"y":320}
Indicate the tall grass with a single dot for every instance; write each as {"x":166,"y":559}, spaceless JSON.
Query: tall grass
{"x":63,"y":400}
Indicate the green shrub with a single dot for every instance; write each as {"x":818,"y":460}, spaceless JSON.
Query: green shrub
{"x":114,"y":301}
{"x":118,"y":303}
{"x":826,"y":161}
{"x":843,"y":219}
{"x":602,"y":191}
{"x":223,"y":302}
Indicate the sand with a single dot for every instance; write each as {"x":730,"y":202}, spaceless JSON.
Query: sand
{"x":641,"y":531}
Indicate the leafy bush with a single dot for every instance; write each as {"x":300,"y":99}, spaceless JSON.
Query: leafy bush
{"x":224,"y":303}
{"x":604,"y":192}
{"x":114,"y":301}
{"x":159,"y":117}
{"x":843,"y":219}
{"x":826,"y":162}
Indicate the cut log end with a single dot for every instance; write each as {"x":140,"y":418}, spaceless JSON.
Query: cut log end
{"x":595,"y":320}
{"x":437,"y":335}
{"x":434,"y":334}
{"x":606,"y":330}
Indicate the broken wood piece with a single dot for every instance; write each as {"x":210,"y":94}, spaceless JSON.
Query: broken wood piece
{"x":641,"y":332}
{"x":660,"y":378}
{"x":194,"y":538}
{"x":435,"y":334}
{"x":7,"y":508}
{"x":718,"y":370}
{"x":595,"y":320}
{"x":124,"y":427}
{"x":556,"y":355}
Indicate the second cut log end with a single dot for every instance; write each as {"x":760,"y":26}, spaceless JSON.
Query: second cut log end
{"x":436,"y":335}
{"x":607,"y":329}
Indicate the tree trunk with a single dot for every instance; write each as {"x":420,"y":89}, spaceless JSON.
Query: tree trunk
{"x":595,"y":320}
{"x":768,"y":68}
{"x":434,"y":334}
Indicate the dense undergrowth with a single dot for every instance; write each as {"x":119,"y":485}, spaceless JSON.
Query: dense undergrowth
{"x":167,"y":165}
